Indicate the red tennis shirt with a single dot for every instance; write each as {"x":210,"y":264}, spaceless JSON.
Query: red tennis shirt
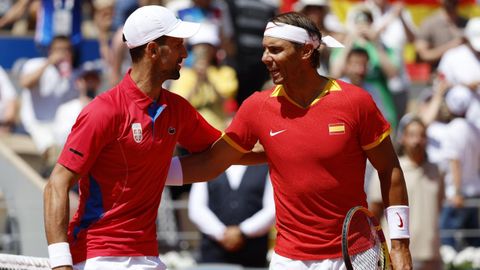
{"x":121,"y":145}
{"x":317,"y":161}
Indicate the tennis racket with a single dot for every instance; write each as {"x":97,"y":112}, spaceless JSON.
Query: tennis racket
{"x":363,"y":243}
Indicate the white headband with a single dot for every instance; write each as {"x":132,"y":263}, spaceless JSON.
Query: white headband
{"x":297,"y":34}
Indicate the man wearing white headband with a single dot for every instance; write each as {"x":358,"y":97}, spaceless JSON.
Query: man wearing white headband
{"x":119,"y":151}
{"x":317,"y":133}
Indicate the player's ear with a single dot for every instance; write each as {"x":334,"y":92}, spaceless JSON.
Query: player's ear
{"x":307,"y":51}
{"x":152,"y":49}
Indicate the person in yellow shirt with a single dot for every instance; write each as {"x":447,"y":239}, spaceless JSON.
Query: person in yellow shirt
{"x":207,"y":85}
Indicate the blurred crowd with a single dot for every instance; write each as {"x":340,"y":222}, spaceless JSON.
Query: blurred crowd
{"x":436,"y":120}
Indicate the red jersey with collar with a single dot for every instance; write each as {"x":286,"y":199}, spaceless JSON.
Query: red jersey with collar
{"x":121,"y":145}
{"x":317,"y":161}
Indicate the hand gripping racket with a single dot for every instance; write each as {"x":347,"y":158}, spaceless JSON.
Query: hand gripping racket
{"x":363,"y":243}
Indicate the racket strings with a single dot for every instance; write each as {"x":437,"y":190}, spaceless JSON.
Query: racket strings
{"x":365,"y":245}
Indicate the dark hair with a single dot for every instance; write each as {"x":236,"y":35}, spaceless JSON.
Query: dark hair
{"x":302,"y":21}
{"x":60,"y":38}
{"x":137,"y":53}
{"x":357,"y":51}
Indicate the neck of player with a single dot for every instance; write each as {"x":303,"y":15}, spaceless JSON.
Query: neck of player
{"x":305,"y":87}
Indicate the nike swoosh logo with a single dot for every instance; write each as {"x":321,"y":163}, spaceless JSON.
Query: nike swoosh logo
{"x":400,"y":225}
{"x":276,"y":132}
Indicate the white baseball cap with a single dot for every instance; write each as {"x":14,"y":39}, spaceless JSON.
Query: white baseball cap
{"x":472,"y":33}
{"x":208,"y":34}
{"x":458,"y":99}
{"x":148,"y":23}
{"x":301,"y":4}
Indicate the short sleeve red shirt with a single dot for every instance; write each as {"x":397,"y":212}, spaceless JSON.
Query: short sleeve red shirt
{"x":317,"y":161}
{"x":121,"y":145}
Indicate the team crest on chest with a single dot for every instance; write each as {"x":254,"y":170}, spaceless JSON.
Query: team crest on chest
{"x":137,"y":132}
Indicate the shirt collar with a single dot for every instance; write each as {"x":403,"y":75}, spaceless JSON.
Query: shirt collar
{"x":331,"y":85}
{"x":134,"y":93}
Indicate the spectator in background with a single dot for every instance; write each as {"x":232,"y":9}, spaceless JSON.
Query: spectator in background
{"x":384,"y":66}
{"x":207,"y":84}
{"x":213,"y":12}
{"x":394,"y":25}
{"x":54,"y":18}
{"x":462,"y":179}
{"x":356,"y":70}
{"x":425,"y":193}
{"x":440,"y":32}
{"x":118,"y":59}
{"x":234,"y":212}
{"x":8,"y":103}
{"x":47,"y":83}
{"x":249,"y":18}
{"x":461,"y":66}
{"x":87,"y":82}
{"x":328,"y":23}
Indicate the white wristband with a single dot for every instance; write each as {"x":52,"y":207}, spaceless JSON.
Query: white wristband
{"x":59,"y":254}
{"x":175,"y":174}
{"x":398,"y":221}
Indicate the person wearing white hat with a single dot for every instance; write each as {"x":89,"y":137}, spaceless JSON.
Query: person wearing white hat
{"x":119,"y":152}
{"x":311,"y":128}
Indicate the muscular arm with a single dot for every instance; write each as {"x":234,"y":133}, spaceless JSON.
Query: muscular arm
{"x":210,"y":163}
{"x":394,"y":192}
{"x":57,"y":204}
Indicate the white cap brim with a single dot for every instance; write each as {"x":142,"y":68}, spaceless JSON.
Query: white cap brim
{"x":184,"y":29}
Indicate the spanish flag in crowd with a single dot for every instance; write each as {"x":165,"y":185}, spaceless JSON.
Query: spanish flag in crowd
{"x":418,"y":8}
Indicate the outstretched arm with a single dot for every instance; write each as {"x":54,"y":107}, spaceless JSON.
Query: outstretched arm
{"x":394,"y":193}
{"x":210,"y":163}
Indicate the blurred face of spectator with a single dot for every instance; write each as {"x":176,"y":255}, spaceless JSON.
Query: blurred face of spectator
{"x":414,"y":139}
{"x":356,"y":68}
{"x":62,"y":48}
{"x":450,"y":5}
{"x":89,"y":83}
{"x":316,"y":14}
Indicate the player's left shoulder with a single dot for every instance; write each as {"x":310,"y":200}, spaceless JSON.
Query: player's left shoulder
{"x":347,"y":90}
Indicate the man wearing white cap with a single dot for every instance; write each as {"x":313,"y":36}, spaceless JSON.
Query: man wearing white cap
{"x":317,"y":133}
{"x":119,"y":151}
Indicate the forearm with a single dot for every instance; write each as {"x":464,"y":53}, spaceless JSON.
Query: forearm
{"x":31,"y":80}
{"x":57,"y":204}
{"x":210,"y":163}
{"x":57,"y":207}
{"x":394,"y":190}
{"x":386,"y":65}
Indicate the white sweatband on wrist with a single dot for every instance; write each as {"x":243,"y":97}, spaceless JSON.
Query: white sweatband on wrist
{"x":398,"y":221}
{"x":59,"y":254}
{"x":175,"y":174}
